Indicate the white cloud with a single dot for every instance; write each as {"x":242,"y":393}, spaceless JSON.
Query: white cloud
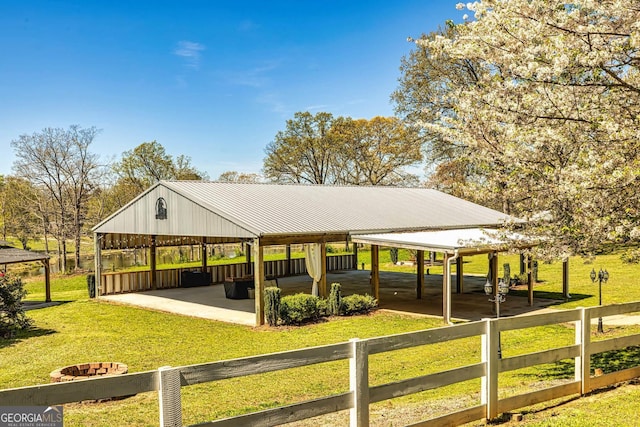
{"x":274,"y":103}
{"x":317,"y":107}
{"x":256,"y":77}
{"x":190,"y":51}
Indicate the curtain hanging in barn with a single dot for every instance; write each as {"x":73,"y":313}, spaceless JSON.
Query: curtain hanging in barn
{"x":313,"y":260}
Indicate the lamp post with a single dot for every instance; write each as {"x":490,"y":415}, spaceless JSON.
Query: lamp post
{"x":499,"y":298}
{"x":602,"y":276}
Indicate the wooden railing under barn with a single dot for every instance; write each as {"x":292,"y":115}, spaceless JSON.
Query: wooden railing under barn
{"x":168,"y":381}
{"x":134,"y":281}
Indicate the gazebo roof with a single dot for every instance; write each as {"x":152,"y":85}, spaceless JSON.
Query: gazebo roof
{"x":11,"y":255}
{"x":463,"y":241}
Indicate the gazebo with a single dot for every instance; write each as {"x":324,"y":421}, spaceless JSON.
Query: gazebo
{"x":454,"y":245}
{"x":172,"y":213}
{"x":12,"y":255}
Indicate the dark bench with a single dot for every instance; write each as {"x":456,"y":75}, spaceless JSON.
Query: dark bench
{"x":190,"y":279}
{"x":238,"y":287}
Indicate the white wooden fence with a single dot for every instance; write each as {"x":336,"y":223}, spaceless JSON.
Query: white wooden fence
{"x":168,"y":381}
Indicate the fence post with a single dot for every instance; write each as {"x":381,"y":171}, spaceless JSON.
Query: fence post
{"x":359,"y":383}
{"x":169,"y":397}
{"x":489,"y":382}
{"x":583,"y":363}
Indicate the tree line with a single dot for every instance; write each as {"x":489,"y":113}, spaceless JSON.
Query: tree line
{"x":323,"y":149}
{"x":60,"y":189}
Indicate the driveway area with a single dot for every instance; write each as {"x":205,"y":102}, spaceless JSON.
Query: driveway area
{"x":397,"y":293}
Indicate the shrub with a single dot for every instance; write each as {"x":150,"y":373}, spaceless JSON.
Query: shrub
{"x":393,"y":253}
{"x":323,"y":307}
{"x":631,"y":256}
{"x":358,"y":304}
{"x":335,"y":299}
{"x":520,"y":279}
{"x":507,"y":273}
{"x":299,"y":308}
{"x":272,"y":305}
{"x":12,"y":316}
{"x":91,"y":285}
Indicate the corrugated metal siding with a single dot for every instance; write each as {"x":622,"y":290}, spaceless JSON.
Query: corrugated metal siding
{"x":184,"y":218}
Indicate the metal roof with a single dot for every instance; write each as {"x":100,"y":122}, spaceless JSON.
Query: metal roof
{"x":238,"y":210}
{"x":463,"y":241}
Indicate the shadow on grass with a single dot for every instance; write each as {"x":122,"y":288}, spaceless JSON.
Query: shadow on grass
{"x":506,"y":417}
{"x":34,"y":305}
{"x":25,"y":335}
{"x":550,"y":295}
{"x":609,"y":361}
{"x":559,"y":370}
{"x":616,"y":360}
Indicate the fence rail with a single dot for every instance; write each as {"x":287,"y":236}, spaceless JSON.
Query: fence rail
{"x":168,"y":381}
{"x":135,"y":281}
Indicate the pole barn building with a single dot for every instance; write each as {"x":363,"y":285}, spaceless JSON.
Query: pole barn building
{"x":173,"y":213}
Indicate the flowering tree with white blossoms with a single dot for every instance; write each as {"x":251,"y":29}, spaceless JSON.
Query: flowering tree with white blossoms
{"x":551,"y":126}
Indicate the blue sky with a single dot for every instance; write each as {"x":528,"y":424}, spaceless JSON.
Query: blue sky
{"x":213,"y":80}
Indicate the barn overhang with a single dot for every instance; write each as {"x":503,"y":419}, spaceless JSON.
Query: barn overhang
{"x":467,"y":241}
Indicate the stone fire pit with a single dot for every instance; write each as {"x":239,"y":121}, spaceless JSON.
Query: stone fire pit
{"x":84,"y":371}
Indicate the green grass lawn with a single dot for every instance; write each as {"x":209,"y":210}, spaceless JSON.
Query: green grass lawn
{"x":82,"y":330}
{"x":615,"y":406}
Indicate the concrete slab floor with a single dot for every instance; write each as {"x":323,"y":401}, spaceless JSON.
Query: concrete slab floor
{"x":397,"y":293}
{"x":207,"y":302}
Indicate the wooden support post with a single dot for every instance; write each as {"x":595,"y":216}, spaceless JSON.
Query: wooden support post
{"x":258,"y":279}
{"x":322,"y":285}
{"x":494,"y":273}
{"x":530,"y":280}
{"x":169,"y":397}
{"x":420,"y":274}
{"x":491,"y":273}
{"x":459,"y":275}
{"x":97,"y":246}
{"x":287,"y":264}
{"x":47,"y":280}
{"x":249,"y":258}
{"x":152,"y":262}
{"x":565,"y":278}
{"x":446,"y":289}
{"x":355,"y":256}
{"x":489,"y":382}
{"x":203,"y":255}
{"x":523,"y":264}
{"x":375,"y":271}
{"x":359,"y":383}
